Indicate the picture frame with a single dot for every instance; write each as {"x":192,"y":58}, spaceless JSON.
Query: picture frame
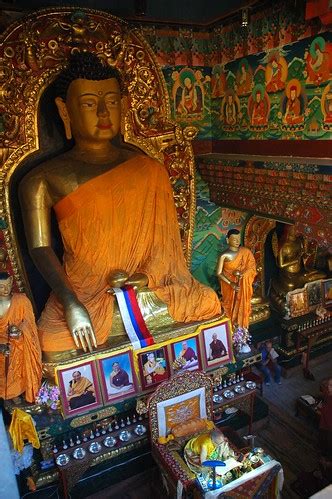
{"x":153,"y":367}
{"x":79,"y":388}
{"x":327,"y":292}
{"x":217,"y":344}
{"x":186,"y":355}
{"x":297,"y":301}
{"x":117,"y":376}
{"x":315,"y":293}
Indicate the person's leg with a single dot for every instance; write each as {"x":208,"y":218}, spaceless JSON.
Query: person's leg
{"x":266,"y":371}
{"x":277,"y":373}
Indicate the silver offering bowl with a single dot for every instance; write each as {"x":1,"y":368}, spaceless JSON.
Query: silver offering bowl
{"x":95,"y":447}
{"x":109,"y":441}
{"x":125,"y":435}
{"x":140,"y":430}
{"x":79,"y":453}
{"x":62,"y":460}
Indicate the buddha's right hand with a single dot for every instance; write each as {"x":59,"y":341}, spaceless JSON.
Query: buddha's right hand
{"x":80,"y":326}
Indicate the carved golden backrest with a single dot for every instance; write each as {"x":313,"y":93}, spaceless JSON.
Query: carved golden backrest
{"x":33,"y":51}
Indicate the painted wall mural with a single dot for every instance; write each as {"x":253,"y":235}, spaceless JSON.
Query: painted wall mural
{"x":211,"y":226}
{"x":285,"y":93}
{"x":189,"y":91}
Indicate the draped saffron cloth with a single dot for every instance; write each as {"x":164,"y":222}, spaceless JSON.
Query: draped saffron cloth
{"x":237,"y":306}
{"x":123,"y":219}
{"x":24,"y":367}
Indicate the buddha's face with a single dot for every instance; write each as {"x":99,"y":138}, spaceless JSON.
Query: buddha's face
{"x":234,"y":240}
{"x":6,"y":287}
{"x":94,"y":109}
{"x":291,"y":233}
{"x":187,"y":82}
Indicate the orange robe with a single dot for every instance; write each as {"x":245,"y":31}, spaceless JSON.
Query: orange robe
{"x":25,"y":367}
{"x":123,"y":219}
{"x":237,"y":306}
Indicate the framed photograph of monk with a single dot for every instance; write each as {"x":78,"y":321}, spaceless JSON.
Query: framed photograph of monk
{"x":217,"y":344}
{"x":297,"y":302}
{"x":327,"y":292}
{"x":79,"y":388}
{"x":314,"y":292}
{"x":154,"y":367}
{"x":116,"y":374}
{"x":186,"y":355}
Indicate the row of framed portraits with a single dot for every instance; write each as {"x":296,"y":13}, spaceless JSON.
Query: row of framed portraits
{"x":108,"y":378}
{"x":305,"y":300}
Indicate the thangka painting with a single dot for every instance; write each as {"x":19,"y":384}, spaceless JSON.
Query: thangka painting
{"x":189,"y":92}
{"x":285,"y":93}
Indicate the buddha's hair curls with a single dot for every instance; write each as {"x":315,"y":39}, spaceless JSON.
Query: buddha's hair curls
{"x":85,"y":65}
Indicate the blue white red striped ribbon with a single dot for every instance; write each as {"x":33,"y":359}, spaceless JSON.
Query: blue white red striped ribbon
{"x":132,"y":317}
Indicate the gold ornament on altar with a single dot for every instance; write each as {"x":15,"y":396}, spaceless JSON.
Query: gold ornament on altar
{"x":141,"y":406}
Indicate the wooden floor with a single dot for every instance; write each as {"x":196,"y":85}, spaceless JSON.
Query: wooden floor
{"x":296,"y":385}
{"x":298,"y":435}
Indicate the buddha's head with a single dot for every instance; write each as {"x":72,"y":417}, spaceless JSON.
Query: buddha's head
{"x":290,"y":232}
{"x":293,"y":93}
{"x":6,"y":284}
{"x":89,"y":99}
{"x":233,"y":238}
{"x":187,"y":83}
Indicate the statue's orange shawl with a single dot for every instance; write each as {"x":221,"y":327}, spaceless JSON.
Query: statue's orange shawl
{"x":24,"y":371}
{"x":124,"y":219}
{"x":237,"y":306}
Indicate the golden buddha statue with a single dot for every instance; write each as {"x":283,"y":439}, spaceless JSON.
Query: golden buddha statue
{"x":116,"y":215}
{"x":236,"y":271}
{"x":290,"y":255}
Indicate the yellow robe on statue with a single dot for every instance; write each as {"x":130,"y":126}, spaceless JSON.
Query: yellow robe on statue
{"x":123,"y":219}
{"x":194,"y":447}
{"x":237,"y":306}
{"x":24,"y":363}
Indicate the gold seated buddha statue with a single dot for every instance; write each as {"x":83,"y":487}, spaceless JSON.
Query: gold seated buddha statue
{"x":290,"y":255}
{"x":115,"y":210}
